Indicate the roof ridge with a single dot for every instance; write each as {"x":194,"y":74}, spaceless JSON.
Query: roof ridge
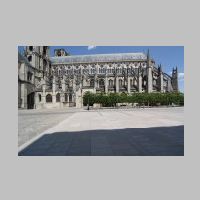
{"x":109,"y":54}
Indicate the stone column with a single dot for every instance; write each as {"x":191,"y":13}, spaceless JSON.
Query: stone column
{"x":63,"y":85}
{"x":106,"y":84}
{"x":43,"y":92}
{"x":140,"y":83}
{"x":62,"y":99}
{"x":128,"y":85}
{"x":33,"y":62}
{"x":74,"y":84}
{"x":41,"y":63}
{"x":117,"y":84}
{"x":36,"y":100}
{"x":73,"y":98}
{"x":149,"y":80}
{"x":62,"y":95}
{"x":68,"y":98}
{"x":79,"y":99}
{"x":95,"y":82}
{"x":54,"y":90}
{"x":23,"y":96}
{"x":161,"y":82}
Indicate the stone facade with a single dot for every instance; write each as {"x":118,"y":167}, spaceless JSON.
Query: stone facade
{"x":62,"y":80}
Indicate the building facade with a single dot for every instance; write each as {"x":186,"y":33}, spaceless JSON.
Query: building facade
{"x":62,"y":80}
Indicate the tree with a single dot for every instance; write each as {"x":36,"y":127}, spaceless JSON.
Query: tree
{"x":150,"y":99}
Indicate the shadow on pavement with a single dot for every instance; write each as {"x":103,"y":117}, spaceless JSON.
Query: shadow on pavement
{"x":158,"y":141}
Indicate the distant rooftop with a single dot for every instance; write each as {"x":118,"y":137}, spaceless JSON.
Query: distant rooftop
{"x":98,"y":58}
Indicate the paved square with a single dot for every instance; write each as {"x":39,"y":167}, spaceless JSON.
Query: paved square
{"x":135,"y":132}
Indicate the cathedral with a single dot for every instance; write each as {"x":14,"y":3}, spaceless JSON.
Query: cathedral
{"x":62,"y":80}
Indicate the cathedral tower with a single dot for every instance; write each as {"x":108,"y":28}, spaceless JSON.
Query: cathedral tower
{"x":38,"y":56}
{"x":175,"y":79}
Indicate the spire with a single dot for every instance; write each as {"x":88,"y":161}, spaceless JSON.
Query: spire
{"x":148,"y":59}
{"x":160,"y":68}
{"x":148,"y":55}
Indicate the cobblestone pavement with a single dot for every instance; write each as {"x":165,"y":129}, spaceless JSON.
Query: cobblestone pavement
{"x":153,"y":131}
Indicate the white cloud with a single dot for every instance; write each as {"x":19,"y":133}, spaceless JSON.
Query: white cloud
{"x":181,"y":76}
{"x":91,"y":47}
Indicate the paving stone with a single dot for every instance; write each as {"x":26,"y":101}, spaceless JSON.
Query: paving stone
{"x":140,"y":132}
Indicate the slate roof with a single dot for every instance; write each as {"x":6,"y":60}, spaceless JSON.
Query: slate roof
{"x":98,"y":58}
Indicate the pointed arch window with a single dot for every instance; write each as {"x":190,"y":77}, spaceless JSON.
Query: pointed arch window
{"x":92,"y":83}
{"x":110,"y":83}
{"x":101,"y":83}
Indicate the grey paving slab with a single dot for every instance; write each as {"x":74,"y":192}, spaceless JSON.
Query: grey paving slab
{"x":146,"y":132}
{"x":33,"y":122}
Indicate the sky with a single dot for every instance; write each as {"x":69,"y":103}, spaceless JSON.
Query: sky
{"x":167,"y":56}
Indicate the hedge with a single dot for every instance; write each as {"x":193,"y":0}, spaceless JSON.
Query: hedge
{"x":150,"y":99}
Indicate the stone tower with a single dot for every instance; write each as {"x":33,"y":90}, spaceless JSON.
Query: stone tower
{"x":38,"y":56}
{"x":60,"y":52}
{"x":160,"y":78}
{"x":175,"y":79}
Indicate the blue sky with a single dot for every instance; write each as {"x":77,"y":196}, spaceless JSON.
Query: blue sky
{"x":168,"y":56}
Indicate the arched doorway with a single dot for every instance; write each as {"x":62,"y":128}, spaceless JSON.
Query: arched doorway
{"x":30,"y":100}
{"x":49,"y":98}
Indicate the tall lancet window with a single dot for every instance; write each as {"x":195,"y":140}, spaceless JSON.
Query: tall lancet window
{"x":101,"y":83}
{"x":111,"y":83}
{"x":92,"y":83}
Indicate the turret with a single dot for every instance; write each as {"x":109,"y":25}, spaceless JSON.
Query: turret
{"x":148,"y":58}
{"x":175,"y":79}
{"x":38,"y":56}
{"x":160,"y":69}
{"x":60,"y":52}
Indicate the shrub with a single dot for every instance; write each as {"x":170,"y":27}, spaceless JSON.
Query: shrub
{"x":152,"y":99}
